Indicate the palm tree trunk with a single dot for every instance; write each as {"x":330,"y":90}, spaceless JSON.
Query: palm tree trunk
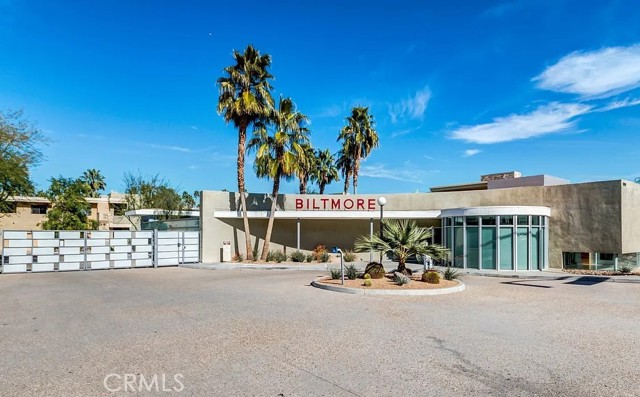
{"x":242,"y":136}
{"x":346,"y":183}
{"x":322,"y":185}
{"x":303,"y":184}
{"x":356,"y":170}
{"x":402,"y":268}
{"x":272,"y":214}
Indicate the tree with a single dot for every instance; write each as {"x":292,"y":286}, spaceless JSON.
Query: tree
{"x":188,"y":201}
{"x":95,"y":180}
{"x":402,"y":238}
{"x":362,"y":137}
{"x":344,"y":163}
{"x":278,"y":156}
{"x":155,"y":193}
{"x":19,"y":141}
{"x":244,"y":99}
{"x":325,"y":170}
{"x":70,"y":210}
{"x":306,"y":166}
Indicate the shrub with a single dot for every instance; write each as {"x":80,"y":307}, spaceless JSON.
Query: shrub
{"x":255,"y":254}
{"x":367,"y":282}
{"x":400,"y":278}
{"x":297,"y":256}
{"x":367,"y":276}
{"x":276,"y":256}
{"x":451,"y":274}
{"x":319,"y":251}
{"x":375,"y":270}
{"x":431,"y":277}
{"x":237,"y":258}
{"x":349,"y":256}
{"x":324,"y":257}
{"x":351,"y":272}
{"x":625,"y":269}
{"x":335,"y":274}
{"x":309,"y":257}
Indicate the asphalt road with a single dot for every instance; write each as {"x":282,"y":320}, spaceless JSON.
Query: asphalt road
{"x":268,"y":333}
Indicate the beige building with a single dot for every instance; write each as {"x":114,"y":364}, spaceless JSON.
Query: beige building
{"x":504,"y":222}
{"x":29,"y":212}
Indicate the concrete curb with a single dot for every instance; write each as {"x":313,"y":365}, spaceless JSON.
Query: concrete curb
{"x":564,"y":277}
{"x":389,"y":292}
{"x":250,"y":266}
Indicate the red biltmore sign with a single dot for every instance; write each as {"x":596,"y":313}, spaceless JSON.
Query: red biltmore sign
{"x":335,"y":204}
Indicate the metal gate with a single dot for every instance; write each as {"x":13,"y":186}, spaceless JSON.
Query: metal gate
{"x":46,"y":251}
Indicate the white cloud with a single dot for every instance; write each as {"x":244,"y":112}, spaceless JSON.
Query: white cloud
{"x":471,"y":152}
{"x":619,"y":104}
{"x":412,"y":107}
{"x":594,"y":74}
{"x":398,"y":133}
{"x":174,"y":148}
{"x":552,"y":118}
{"x":401,"y":174}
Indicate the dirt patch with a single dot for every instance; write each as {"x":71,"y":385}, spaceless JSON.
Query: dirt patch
{"x":387,"y":283}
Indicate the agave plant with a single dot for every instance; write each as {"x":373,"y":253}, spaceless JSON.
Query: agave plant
{"x":402,"y":238}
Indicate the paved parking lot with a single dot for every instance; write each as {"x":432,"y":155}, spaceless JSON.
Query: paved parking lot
{"x":268,"y":333}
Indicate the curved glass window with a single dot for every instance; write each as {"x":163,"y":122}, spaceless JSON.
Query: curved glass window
{"x":496,"y":242}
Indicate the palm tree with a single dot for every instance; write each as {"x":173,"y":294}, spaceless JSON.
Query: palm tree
{"x":245,"y":98}
{"x":344,"y":163}
{"x":306,"y":166}
{"x":95,"y":180}
{"x":360,"y":132}
{"x":402,"y":238}
{"x":278,"y":155}
{"x":325,"y":170}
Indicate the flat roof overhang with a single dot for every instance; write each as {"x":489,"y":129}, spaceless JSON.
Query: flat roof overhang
{"x":330,"y":215}
{"x":497,"y":210}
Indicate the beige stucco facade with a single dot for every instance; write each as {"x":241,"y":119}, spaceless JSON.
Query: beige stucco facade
{"x":591,"y":217}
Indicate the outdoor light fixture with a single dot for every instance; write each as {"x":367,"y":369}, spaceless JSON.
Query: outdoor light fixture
{"x":381,"y":202}
{"x":336,"y":250}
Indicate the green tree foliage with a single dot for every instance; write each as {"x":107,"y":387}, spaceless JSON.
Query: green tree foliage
{"x":155,"y":193}
{"x":279,"y":155}
{"x":95,"y":180}
{"x":402,"y":238}
{"x":359,"y":137}
{"x":19,"y":141}
{"x":245,"y":99}
{"x":325,"y":170}
{"x":344,"y":163}
{"x":306,"y":166}
{"x":188,"y":201}
{"x":70,"y":210}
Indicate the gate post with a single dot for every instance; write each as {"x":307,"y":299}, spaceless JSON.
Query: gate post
{"x":84,"y":233}
{"x":2,"y":259}
{"x":155,"y":247}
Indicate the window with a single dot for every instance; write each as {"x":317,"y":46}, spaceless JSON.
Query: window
{"x":119,"y":209}
{"x":606,"y":257}
{"x":9,"y":208}
{"x":39,"y":209}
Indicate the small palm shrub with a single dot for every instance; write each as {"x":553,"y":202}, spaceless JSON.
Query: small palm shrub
{"x":297,"y":256}
{"x":349,"y":256}
{"x":367,"y":276}
{"x":367,"y":282}
{"x":400,"y":278}
{"x":431,"y":277}
{"x":237,"y":257}
{"x":255,"y":253}
{"x":276,"y":256}
{"x":351,"y":272}
{"x":324,"y":257}
{"x":318,"y":251}
{"x":451,"y":274}
{"x":375,"y":270}
{"x":308,"y":258}
{"x":335,"y":274}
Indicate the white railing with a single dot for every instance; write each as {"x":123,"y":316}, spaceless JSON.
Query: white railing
{"x":46,"y":251}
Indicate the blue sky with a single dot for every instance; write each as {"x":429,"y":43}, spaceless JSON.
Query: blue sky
{"x":457,"y":90}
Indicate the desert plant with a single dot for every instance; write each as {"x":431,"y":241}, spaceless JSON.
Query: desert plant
{"x":349,"y":256}
{"x":402,"y":238}
{"x":335,"y":274}
{"x":308,"y":257}
{"x":255,"y":253}
{"x":375,"y":270}
{"x":625,"y":269}
{"x":450,"y":274}
{"x":431,"y":277}
{"x":318,"y":251}
{"x":324,"y":257}
{"x":297,"y":256}
{"x":276,"y":256}
{"x":367,"y":282}
{"x":367,"y":276}
{"x":237,"y":257}
{"x":400,"y":278}
{"x":351,"y":272}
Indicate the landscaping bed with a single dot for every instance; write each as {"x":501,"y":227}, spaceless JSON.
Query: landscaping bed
{"x":388,"y":283}
{"x":584,"y":272}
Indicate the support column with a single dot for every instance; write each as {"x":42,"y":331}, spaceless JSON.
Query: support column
{"x":298,"y":234}
{"x":370,"y":237}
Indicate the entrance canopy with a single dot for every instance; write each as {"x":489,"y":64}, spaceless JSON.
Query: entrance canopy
{"x":432,"y":214}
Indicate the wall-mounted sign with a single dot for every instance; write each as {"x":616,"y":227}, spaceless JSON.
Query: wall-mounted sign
{"x":335,"y":204}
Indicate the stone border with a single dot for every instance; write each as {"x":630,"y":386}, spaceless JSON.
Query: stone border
{"x":397,"y":292}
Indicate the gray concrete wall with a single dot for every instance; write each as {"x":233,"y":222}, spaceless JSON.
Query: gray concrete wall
{"x":585,"y":217}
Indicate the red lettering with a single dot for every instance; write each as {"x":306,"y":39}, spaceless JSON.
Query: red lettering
{"x":324,"y":203}
{"x":299,"y":204}
{"x":335,"y":204}
{"x":372,"y":204}
{"x":360,"y":204}
{"x":348,"y":204}
{"x":315,"y":207}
